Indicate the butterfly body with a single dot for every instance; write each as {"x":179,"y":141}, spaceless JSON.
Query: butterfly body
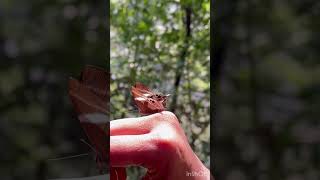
{"x":147,"y":101}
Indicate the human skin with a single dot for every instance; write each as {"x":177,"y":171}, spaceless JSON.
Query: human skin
{"x":156,"y":142}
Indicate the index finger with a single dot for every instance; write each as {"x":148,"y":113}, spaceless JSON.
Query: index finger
{"x":132,"y":126}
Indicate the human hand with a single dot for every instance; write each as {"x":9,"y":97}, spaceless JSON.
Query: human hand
{"x":156,"y":142}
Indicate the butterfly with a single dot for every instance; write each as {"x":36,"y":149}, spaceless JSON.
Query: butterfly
{"x":89,"y":95}
{"x":147,"y":101}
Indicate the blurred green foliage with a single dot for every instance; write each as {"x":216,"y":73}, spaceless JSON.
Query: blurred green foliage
{"x":42,"y":43}
{"x":165,"y":45}
{"x":267,"y":115}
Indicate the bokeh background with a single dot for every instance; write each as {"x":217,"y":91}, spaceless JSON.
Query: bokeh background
{"x":267,"y":90}
{"x":165,"y":45}
{"x":42,"y":43}
{"x":266,"y":76}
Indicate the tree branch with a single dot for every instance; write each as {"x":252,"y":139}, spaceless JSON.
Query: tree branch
{"x":183,"y":54}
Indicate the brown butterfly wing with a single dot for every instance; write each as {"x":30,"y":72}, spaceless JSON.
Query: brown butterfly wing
{"x":100,"y":142}
{"x":140,"y":90}
{"x":97,"y":80}
{"x":89,"y":98}
{"x":84,"y":100}
{"x":141,"y":87}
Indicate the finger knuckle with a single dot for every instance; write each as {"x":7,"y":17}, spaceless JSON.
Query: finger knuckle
{"x":166,"y":143}
{"x":167,"y":116}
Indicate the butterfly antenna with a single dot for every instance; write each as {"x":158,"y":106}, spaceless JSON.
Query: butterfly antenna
{"x":85,"y":142}
{"x":68,"y":157}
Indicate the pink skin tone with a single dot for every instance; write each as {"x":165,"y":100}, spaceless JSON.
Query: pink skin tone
{"x":156,"y":142}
